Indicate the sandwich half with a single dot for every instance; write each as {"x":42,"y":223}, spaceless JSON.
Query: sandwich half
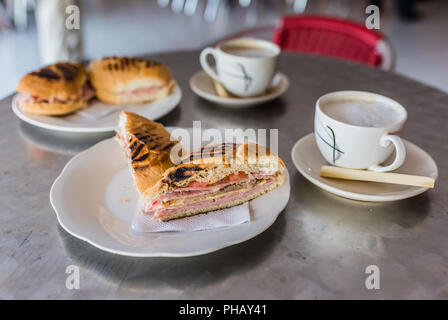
{"x":147,"y":145}
{"x":126,"y":80}
{"x":54,"y":90}
{"x":213,"y":178}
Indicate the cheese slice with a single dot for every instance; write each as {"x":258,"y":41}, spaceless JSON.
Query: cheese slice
{"x":385,"y":177}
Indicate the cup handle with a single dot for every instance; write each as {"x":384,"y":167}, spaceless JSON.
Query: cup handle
{"x":205,"y":65}
{"x":400,"y":151}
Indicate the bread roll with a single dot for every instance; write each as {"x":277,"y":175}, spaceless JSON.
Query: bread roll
{"x":54,"y":90}
{"x":125,"y":80}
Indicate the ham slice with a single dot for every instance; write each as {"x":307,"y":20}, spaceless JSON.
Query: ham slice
{"x":221,"y":191}
{"x":87,"y":94}
{"x":195,"y":188}
{"x":157,"y":214}
{"x":143,"y":90}
{"x":25,"y":98}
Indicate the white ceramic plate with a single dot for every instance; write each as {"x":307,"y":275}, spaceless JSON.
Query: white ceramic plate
{"x":69,"y":143}
{"x":308,"y":160}
{"x":202,"y":85}
{"x":77,"y":123}
{"x":94,"y":200}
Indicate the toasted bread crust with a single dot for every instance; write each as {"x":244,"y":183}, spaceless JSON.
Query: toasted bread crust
{"x":148,"y":145}
{"x":117,"y":74}
{"x":52,"y":109}
{"x":62,"y":81}
{"x":247,"y":153}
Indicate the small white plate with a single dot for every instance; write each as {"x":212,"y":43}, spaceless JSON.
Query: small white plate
{"x":77,"y":123}
{"x":202,"y":85}
{"x":308,"y":160}
{"x":94,"y":200}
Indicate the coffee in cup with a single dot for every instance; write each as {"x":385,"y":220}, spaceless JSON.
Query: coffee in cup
{"x":249,"y":51}
{"x":362,"y":113}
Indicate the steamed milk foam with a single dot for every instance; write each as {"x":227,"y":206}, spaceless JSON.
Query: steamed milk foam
{"x":362,"y":113}
{"x":249,"y":52}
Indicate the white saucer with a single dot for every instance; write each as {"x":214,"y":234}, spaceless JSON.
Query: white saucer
{"x":308,"y":160}
{"x":202,"y":85}
{"x":77,"y":123}
{"x":95,"y":200}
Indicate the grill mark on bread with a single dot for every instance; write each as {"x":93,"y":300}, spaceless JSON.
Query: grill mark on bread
{"x":133,"y":145}
{"x":136,"y":152}
{"x":46,"y":73}
{"x":151,"y":63}
{"x":180,"y":175}
{"x":141,"y":167}
{"x":169,"y":145}
{"x":147,"y":137}
{"x":143,"y":135}
{"x":212,"y":151}
{"x":137,"y":145}
{"x":126,"y":64}
{"x":215,"y":148}
{"x":143,"y":157}
{"x":69,"y":71}
{"x":142,"y":139}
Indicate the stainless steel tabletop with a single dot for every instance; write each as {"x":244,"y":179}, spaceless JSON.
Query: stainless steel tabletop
{"x":319,"y":247}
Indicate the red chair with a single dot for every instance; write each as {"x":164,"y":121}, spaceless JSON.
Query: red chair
{"x":327,"y":36}
{"x":334,"y":37}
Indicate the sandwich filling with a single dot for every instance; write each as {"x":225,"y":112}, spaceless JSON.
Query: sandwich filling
{"x":143,"y":90}
{"x":87,"y":94}
{"x":202,"y":195}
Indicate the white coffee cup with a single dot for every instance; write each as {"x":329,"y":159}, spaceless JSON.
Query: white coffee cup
{"x":353,"y":130}
{"x":244,"y":66}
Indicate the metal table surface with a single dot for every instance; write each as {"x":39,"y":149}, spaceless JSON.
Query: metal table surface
{"x":318,"y":248}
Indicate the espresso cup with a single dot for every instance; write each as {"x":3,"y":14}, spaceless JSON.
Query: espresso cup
{"x":244,"y":66}
{"x":353,"y":129}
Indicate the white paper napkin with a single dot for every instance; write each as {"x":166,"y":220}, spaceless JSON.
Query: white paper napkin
{"x":212,"y":220}
{"x":98,"y":110}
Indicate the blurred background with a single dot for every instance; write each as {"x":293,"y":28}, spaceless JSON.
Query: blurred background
{"x":29,"y":33}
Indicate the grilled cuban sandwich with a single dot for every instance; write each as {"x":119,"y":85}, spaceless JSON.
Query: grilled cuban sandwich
{"x":53,"y":90}
{"x":212,"y":178}
{"x":126,"y":80}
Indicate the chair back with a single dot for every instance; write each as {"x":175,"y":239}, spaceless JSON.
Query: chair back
{"x":330,"y":36}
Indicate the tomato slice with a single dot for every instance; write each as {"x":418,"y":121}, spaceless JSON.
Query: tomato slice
{"x":197,"y":184}
{"x":230,"y":178}
{"x":237,"y":176}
